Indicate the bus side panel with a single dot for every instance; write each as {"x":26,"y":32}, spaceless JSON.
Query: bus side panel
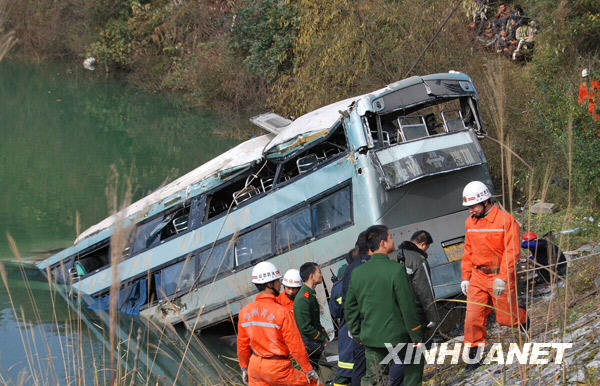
{"x":434,"y":204}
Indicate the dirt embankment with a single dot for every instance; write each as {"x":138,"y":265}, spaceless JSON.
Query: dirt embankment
{"x":566,"y":312}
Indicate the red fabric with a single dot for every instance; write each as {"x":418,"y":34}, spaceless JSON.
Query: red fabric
{"x":508,"y":312}
{"x":591,"y":96}
{"x":266,"y":329}
{"x":492,"y":241}
{"x":274,"y":372}
{"x":285,"y":301}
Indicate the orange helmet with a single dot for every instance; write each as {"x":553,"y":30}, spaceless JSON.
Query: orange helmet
{"x":529,"y":236}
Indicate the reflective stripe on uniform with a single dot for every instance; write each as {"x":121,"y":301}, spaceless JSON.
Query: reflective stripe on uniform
{"x":345,"y":365}
{"x":339,"y":300}
{"x":261,"y":324}
{"x":485,"y":230}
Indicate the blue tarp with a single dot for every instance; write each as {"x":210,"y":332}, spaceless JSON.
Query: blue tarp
{"x":129,"y":301}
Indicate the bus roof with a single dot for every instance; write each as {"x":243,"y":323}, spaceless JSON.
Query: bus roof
{"x":253,"y":150}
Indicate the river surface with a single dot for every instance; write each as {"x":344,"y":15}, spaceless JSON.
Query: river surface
{"x":64,"y":132}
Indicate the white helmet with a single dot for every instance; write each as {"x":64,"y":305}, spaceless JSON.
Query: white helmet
{"x":292,"y":278}
{"x":585,"y":72}
{"x":265,"y":272}
{"x":475,"y":192}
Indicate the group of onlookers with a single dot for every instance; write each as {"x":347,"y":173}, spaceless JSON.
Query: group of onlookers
{"x":509,"y":31}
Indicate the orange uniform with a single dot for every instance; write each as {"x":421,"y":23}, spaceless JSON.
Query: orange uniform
{"x":267,"y":336}
{"x":285,"y":301}
{"x":492,"y":247}
{"x":591,"y":96}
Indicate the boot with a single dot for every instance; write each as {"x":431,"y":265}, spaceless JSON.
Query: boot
{"x":473,"y":355}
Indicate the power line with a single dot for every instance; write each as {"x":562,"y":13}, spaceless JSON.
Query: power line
{"x":434,"y":37}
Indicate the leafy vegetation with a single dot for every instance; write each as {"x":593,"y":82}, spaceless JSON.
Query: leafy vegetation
{"x":264,"y":33}
{"x":294,"y":56}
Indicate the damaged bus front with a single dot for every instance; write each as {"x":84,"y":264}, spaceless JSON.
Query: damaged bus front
{"x":422,"y":139}
{"x":398,"y":156}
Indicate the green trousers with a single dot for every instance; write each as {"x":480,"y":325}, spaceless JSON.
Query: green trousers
{"x":377,"y":374}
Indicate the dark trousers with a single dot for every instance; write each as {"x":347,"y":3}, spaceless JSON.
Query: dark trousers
{"x":408,"y":374}
{"x":414,"y":376}
{"x":360,"y":363}
{"x":314,"y":349}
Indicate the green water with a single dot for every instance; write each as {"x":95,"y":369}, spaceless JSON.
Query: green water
{"x":63,"y":130}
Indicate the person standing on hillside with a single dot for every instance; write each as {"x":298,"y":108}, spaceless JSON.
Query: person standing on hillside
{"x":267,"y":336}
{"x":492,"y":248}
{"x":380,"y":308}
{"x":308,"y":314}
{"x":589,"y":93}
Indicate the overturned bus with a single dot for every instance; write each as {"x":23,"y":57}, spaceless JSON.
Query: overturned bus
{"x":398,"y":156}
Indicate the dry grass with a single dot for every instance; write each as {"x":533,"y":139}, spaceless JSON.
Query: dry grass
{"x":7,"y":38}
{"x":564,"y":304}
{"x":131,"y":353}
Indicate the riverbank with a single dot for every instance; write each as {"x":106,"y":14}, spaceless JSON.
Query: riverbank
{"x":563,"y":313}
{"x":292,"y":57}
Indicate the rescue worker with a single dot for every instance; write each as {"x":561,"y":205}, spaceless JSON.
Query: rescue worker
{"x":291,"y":285}
{"x":307,"y":313}
{"x":589,"y":93}
{"x":267,"y":336}
{"x":345,"y":363}
{"x":413,"y":255}
{"x":380,"y":308}
{"x":545,"y":253}
{"x":350,"y":257}
{"x":488,"y":267}
{"x":359,"y":366}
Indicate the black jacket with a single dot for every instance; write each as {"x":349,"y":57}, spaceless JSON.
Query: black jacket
{"x":348,"y":273}
{"x":419,"y":278}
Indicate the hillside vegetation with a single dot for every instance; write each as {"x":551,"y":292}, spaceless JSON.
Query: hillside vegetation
{"x":294,"y":56}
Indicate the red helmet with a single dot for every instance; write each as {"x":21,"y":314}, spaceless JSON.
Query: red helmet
{"x":529,"y":236}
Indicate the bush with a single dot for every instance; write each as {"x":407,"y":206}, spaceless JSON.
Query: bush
{"x":584,"y":25}
{"x":114,"y":45}
{"x":555,"y":73}
{"x":263,"y":34}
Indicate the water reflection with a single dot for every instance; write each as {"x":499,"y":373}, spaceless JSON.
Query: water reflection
{"x":48,"y":339}
{"x":62,"y":129}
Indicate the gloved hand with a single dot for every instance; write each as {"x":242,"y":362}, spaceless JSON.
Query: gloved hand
{"x":464,"y":286}
{"x":498,"y":287}
{"x":245,"y":376}
{"x":312,"y":375}
{"x":430,"y":325}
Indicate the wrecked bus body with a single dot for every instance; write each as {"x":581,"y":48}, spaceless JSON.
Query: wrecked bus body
{"x":398,"y":156}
